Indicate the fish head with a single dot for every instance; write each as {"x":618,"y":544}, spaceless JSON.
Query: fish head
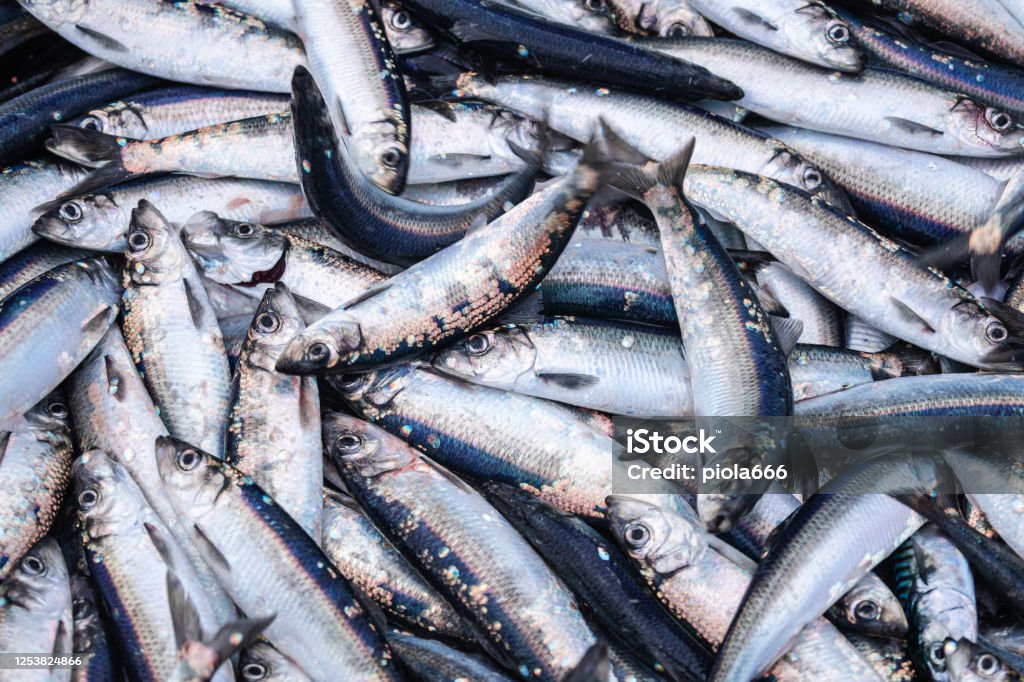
{"x":405,"y":34}
{"x":818,"y":35}
{"x":943,"y":614}
{"x":872,"y":608}
{"x":56,"y":13}
{"x":969,"y":662}
{"x":987,"y":334}
{"x":788,"y":167}
{"x":90,"y":221}
{"x":276,"y":322}
{"x":658,"y":538}
{"x":672,"y":19}
{"x":988,"y":129}
{"x":496,"y":357}
{"x":121,"y":119}
{"x":376,"y":387}
{"x":381,"y":155}
{"x":323,"y":346}
{"x":192,"y":478}
{"x":39,"y":581}
{"x":229,"y":251}
{"x":105,"y":497}
{"x":49,"y":420}
{"x":154,"y":251}
{"x":364,"y":448}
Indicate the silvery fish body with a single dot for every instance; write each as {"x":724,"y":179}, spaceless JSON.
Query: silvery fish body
{"x":23,"y":187}
{"x":172,"y":332}
{"x":32,"y":261}
{"x":182,"y":41}
{"x":48,"y":326}
{"x":821,"y":320}
{"x":263,"y":663}
{"x":818,"y":370}
{"x":668,"y":18}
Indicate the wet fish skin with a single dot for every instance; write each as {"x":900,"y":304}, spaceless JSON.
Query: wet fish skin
{"x":819,"y":370}
{"x":370,"y":220}
{"x":90,"y":636}
{"x":261,"y":662}
{"x":32,"y":261}
{"x":99,"y":221}
{"x":591,"y":17}
{"x":35,"y":467}
{"x":274,"y":425}
{"x":969,"y":662}
{"x":887,"y":656}
{"x":23,"y":187}
{"x":821,"y":320}
{"x":172,"y":332}
{"x":406,"y":34}
{"x":459,"y":541}
{"x":60,"y":316}
{"x":178,"y":41}
{"x":668,"y":18}
{"x":434,"y":661}
{"x":369,"y":560}
{"x":273,"y":567}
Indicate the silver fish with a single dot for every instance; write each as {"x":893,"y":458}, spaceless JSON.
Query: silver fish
{"x":263,"y":663}
{"x":24,"y":187}
{"x":667,"y":18}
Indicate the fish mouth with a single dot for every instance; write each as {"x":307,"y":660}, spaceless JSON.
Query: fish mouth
{"x":54,"y":230}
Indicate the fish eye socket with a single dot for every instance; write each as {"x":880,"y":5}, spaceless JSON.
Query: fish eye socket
{"x":677,"y":30}
{"x":838,"y":34}
{"x":937,"y":653}
{"x":391,"y":157}
{"x":268,"y":322}
{"x":87,"y":499}
{"x":866,"y":610}
{"x":70,"y":212}
{"x":254,"y":671}
{"x":594,"y":5}
{"x":352,"y":382}
{"x":318,"y":352}
{"x":987,"y":664}
{"x":244,"y":230}
{"x":996,"y":332}
{"x":188,"y":460}
{"x":91,"y":123}
{"x":999,"y":120}
{"x":812,"y":178}
{"x":478,"y":344}
{"x":400,"y":20}
{"x":348,"y":443}
{"x":138,"y":241}
{"x":33,"y":565}
{"x":637,"y":535}
{"x":57,"y":409}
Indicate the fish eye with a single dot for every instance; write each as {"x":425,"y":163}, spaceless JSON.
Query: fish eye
{"x":33,"y":565}
{"x":57,"y":408}
{"x":400,"y":20}
{"x":999,"y":120}
{"x":318,"y":352}
{"x":267,"y":321}
{"x":70,"y":212}
{"x":987,"y":664}
{"x":812,"y":178}
{"x":87,"y":499}
{"x":866,"y":610}
{"x":637,"y":535}
{"x":478,"y":344}
{"x":91,"y":123}
{"x":838,"y":33}
{"x":594,"y":5}
{"x":348,"y":443}
{"x":677,"y":30}
{"x":352,"y":382}
{"x":996,"y":332}
{"x":254,"y":671}
{"x":937,"y":653}
{"x":188,"y":459}
{"x":138,"y":241}
{"x":244,"y":230}
{"x":391,"y":157}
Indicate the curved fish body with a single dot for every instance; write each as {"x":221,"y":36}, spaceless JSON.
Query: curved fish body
{"x":875,"y":105}
{"x":130,"y":555}
{"x":25,"y":120}
{"x":48,"y":326}
{"x":821,"y":320}
{"x":808,"y":31}
{"x":36,"y":614}
{"x":99,"y":221}
{"x":666,"y":18}
{"x":819,"y":555}
{"x":163,"y":112}
{"x":353,"y":65}
{"x":434,"y":661}
{"x":179,"y":41}
{"x":819,"y":370}
{"x":113,"y":412}
{"x":454,"y":291}
{"x":609,"y":588}
{"x":970,"y":662}
{"x":608,"y":366}
{"x":607,"y":279}
{"x":572,"y":13}
{"x":674,"y":558}
{"x":274,"y":427}
{"x":311,"y":229}
{"x":999,"y":493}
{"x":370,"y":562}
{"x":249,"y":255}
{"x":172,"y":332}
{"x":488,"y":434}
{"x":893,"y":189}
{"x":23,"y":187}
{"x":269,"y":565}
{"x":280,"y":13}
{"x":887,"y":656}
{"x":32,"y":261}
{"x":263,"y":663}
{"x":654,"y":127}
{"x":917,"y":304}
{"x":90,"y":635}
{"x":462,"y":544}
{"x":35,"y":467}
{"x":370,"y":220}
{"x":1001,"y":169}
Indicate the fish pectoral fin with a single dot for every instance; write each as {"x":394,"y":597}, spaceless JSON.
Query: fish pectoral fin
{"x":913,"y":127}
{"x":156,"y":536}
{"x":62,"y":640}
{"x":103,"y":39}
{"x":184,"y":617}
{"x":452,"y":478}
{"x":375,"y":290}
{"x":469,"y":32}
{"x":99,"y":322}
{"x":570,"y":380}
{"x":909,"y":316}
{"x":756,"y":19}
{"x":787,"y":331}
{"x":235,"y":635}
{"x":213,"y":556}
{"x":458,"y":158}
{"x":195,"y":306}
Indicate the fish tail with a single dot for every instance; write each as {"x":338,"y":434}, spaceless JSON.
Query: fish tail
{"x":635,"y":180}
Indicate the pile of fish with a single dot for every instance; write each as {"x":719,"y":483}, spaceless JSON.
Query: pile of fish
{"x":315,"y":317}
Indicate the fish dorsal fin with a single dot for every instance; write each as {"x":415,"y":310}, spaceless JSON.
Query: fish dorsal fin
{"x":213,"y":556}
{"x":184,"y":616}
{"x":755,"y":19}
{"x":910,"y":316}
{"x":913,"y":127}
{"x":195,"y":306}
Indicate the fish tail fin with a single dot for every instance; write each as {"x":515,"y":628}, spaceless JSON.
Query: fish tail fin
{"x":635,"y":179}
{"x":913,"y":360}
{"x":987,"y":242}
{"x":82,"y":145}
